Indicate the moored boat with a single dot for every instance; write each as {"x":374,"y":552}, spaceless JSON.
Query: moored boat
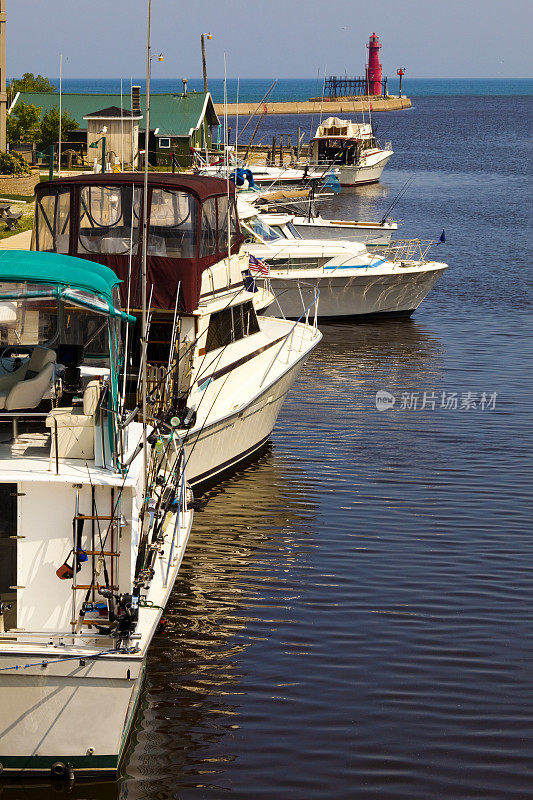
{"x":352,"y":149}
{"x":351,"y":280}
{"x":214,"y":366}
{"x":94,"y":525}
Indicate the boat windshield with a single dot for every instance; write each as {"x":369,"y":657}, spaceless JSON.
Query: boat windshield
{"x":27,"y":319}
{"x":36,"y":314}
{"x":293,"y":230}
{"x":108,"y":219}
{"x":51,"y":225}
{"x":173,"y":224}
{"x":266,"y":232}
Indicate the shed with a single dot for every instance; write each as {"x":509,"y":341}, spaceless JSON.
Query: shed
{"x":121,"y":131}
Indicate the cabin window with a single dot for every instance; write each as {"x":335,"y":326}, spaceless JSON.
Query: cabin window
{"x":109,"y":219}
{"x":164,"y":143}
{"x":51,"y":227}
{"x":230,"y":325}
{"x":173,"y":223}
{"x":208,"y":241}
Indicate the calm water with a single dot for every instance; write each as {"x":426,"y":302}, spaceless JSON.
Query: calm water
{"x":353,"y":615}
{"x":252,"y":89}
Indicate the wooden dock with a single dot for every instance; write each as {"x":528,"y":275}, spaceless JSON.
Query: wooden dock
{"x":327,"y":107}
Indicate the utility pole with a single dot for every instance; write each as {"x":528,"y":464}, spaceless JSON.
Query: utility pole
{"x":204,"y":65}
{"x":3,"y":95}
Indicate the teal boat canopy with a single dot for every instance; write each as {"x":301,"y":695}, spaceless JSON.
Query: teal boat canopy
{"x":18,"y":266}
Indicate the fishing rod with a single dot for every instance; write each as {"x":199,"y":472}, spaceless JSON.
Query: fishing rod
{"x":398,"y":196}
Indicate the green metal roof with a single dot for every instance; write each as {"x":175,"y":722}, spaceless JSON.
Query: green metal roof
{"x":57,"y":270}
{"x":174,"y":114}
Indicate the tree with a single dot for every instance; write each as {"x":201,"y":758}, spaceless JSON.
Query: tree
{"x":49,"y":128}
{"x":30,"y":83}
{"x":23,"y":124}
{"x":13,"y":164}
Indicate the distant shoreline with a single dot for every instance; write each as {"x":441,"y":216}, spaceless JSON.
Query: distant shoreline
{"x":297,"y":90}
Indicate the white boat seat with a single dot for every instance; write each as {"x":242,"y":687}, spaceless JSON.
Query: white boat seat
{"x":75,"y":426}
{"x":26,"y":387}
{"x":39,"y":358}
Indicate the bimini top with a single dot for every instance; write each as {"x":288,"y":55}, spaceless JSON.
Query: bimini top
{"x":17,"y":266}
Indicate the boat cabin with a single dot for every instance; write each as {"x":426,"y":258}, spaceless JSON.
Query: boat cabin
{"x":60,"y":355}
{"x":192,"y":224}
{"x":341,"y":142}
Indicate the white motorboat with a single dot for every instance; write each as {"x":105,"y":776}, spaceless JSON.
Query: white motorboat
{"x":215,"y":367}
{"x":371,"y":233}
{"x":309,"y":224}
{"x":353,"y":150}
{"x":293,"y":174}
{"x":89,"y":555}
{"x":352,"y":281}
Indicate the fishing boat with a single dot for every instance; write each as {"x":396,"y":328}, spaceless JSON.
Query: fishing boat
{"x":353,"y":150}
{"x":352,"y":281}
{"x":94,"y":524}
{"x":214,"y":366}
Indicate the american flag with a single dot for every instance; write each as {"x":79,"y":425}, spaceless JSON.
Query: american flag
{"x":256,"y":265}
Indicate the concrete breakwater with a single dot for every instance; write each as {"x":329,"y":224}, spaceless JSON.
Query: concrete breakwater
{"x":327,"y":106}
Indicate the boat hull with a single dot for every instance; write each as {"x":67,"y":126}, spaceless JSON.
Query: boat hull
{"x":220,"y":446}
{"x":357,"y":295}
{"x":364,"y":173}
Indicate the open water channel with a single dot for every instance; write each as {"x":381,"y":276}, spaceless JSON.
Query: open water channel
{"x":353,"y":615}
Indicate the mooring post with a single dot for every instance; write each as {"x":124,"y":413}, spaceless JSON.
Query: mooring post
{"x":273,"y":162}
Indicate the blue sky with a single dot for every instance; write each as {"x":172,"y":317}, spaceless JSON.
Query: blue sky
{"x":278,"y":38}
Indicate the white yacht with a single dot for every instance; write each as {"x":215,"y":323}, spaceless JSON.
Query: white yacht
{"x":352,"y":149}
{"x":90,"y":541}
{"x":216,"y":368}
{"x":351,"y":280}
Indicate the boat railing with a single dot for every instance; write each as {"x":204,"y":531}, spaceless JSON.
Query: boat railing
{"x":14,"y":416}
{"x":307,"y":321}
{"x":59,"y":639}
{"x":405,"y":249}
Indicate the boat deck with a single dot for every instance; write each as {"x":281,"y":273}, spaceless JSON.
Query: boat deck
{"x":26,"y":456}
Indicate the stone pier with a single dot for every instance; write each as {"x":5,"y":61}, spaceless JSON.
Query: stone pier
{"x":327,"y":107}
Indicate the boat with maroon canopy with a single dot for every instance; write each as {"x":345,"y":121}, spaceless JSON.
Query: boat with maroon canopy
{"x":218,"y":373}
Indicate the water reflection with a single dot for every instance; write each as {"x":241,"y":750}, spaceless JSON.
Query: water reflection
{"x":354,"y":356}
{"x":255,"y":527}
{"x":366,"y":202}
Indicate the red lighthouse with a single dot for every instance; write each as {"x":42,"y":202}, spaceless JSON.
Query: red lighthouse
{"x":373,"y":69}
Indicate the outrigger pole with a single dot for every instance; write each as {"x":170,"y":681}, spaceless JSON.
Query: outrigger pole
{"x":144,"y":348}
